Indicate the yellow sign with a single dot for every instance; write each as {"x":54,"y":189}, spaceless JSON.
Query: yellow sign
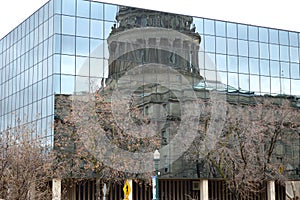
{"x":126,"y":190}
{"x":281,"y":169}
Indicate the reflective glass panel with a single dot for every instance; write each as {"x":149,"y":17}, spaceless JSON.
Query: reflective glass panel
{"x":243,"y":47}
{"x":273,"y":36}
{"x":284,"y":53}
{"x":68,"y":25}
{"x":263,"y":35}
{"x":285,"y":69}
{"x":274,"y":52}
{"x":283,"y":37}
{"x":295,"y":71}
{"x":68,"y":7}
{"x":242,"y":32}
{"x":294,"y":54}
{"x":232,"y":46}
{"x":96,"y":10}
{"x":293,"y":39}
{"x":83,"y":8}
{"x":96,"y":29}
{"x":209,"y":27}
{"x":110,"y":12}
{"x":265,"y":85}
{"x":231,"y":30}
{"x":82,"y":46}
{"x":210,"y":45}
{"x":221,"y":45}
{"x":253,"y":33}
{"x":82,"y":66}
{"x":232,"y":63}
{"x":67,"y":64}
{"x":82,"y":27}
{"x":67,"y":84}
{"x":68,"y":44}
{"x":243,"y":65}
{"x":244,"y":82}
{"x":263,"y":50}
{"x":264,"y":67}
{"x":221,"y":62}
{"x":220,"y":28}
{"x":275,"y":68}
{"x":253,"y":49}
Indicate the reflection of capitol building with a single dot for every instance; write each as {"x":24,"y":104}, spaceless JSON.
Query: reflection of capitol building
{"x":142,"y":48}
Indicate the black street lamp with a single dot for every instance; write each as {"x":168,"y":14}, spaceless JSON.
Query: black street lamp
{"x":156,"y":158}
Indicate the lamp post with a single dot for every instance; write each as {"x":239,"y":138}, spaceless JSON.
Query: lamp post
{"x":156,"y":158}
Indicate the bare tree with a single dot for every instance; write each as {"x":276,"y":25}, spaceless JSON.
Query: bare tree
{"x":25,"y":165}
{"x":89,"y":142}
{"x":247,"y":151}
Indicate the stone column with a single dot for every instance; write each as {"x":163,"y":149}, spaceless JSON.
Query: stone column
{"x":271,"y":190}
{"x":130,"y":183}
{"x":56,"y":189}
{"x":203,"y":189}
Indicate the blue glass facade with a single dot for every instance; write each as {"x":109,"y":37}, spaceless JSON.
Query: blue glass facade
{"x":62,"y":49}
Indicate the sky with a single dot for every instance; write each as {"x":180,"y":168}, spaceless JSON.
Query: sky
{"x":270,"y":13}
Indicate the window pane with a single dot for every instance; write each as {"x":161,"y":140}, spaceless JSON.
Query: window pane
{"x":96,"y":48}
{"x":67,"y":64}
{"x":220,"y":28}
{"x":68,"y":25}
{"x":274,"y":52}
{"x":96,"y":29}
{"x":232,"y":46}
{"x":68,"y":7}
{"x":68,"y":44}
{"x":243,"y":65}
{"x":83,"y":8}
{"x":243,"y":48}
{"x":96,"y":67}
{"x":295,"y":71}
{"x":209,"y":27}
{"x":244,"y":82}
{"x":285,"y":69}
{"x":233,"y":80}
{"x":263,"y":35}
{"x":253,"y":49}
{"x":82,"y":84}
{"x":263,"y":50}
{"x":221,"y":45}
{"x":253,"y":33}
{"x":293,"y":39}
{"x":83,"y":27}
{"x":82,"y":46}
{"x":221,"y":62}
{"x":275,"y":68}
{"x":209,"y":43}
{"x":96,"y":10}
{"x":231,"y":30}
{"x":82,"y":66}
{"x":294,"y":54}
{"x":56,"y":84}
{"x":284,"y":53}
{"x":199,"y":24}
{"x":110,"y":12}
{"x":242,"y":32}
{"x":283,"y":37}
{"x":265,"y":84}
{"x":273,"y":36}
{"x":232,"y":63}
{"x":295,"y":89}
{"x":264,"y":67}
{"x":67,"y":84}
{"x":275,"y":85}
